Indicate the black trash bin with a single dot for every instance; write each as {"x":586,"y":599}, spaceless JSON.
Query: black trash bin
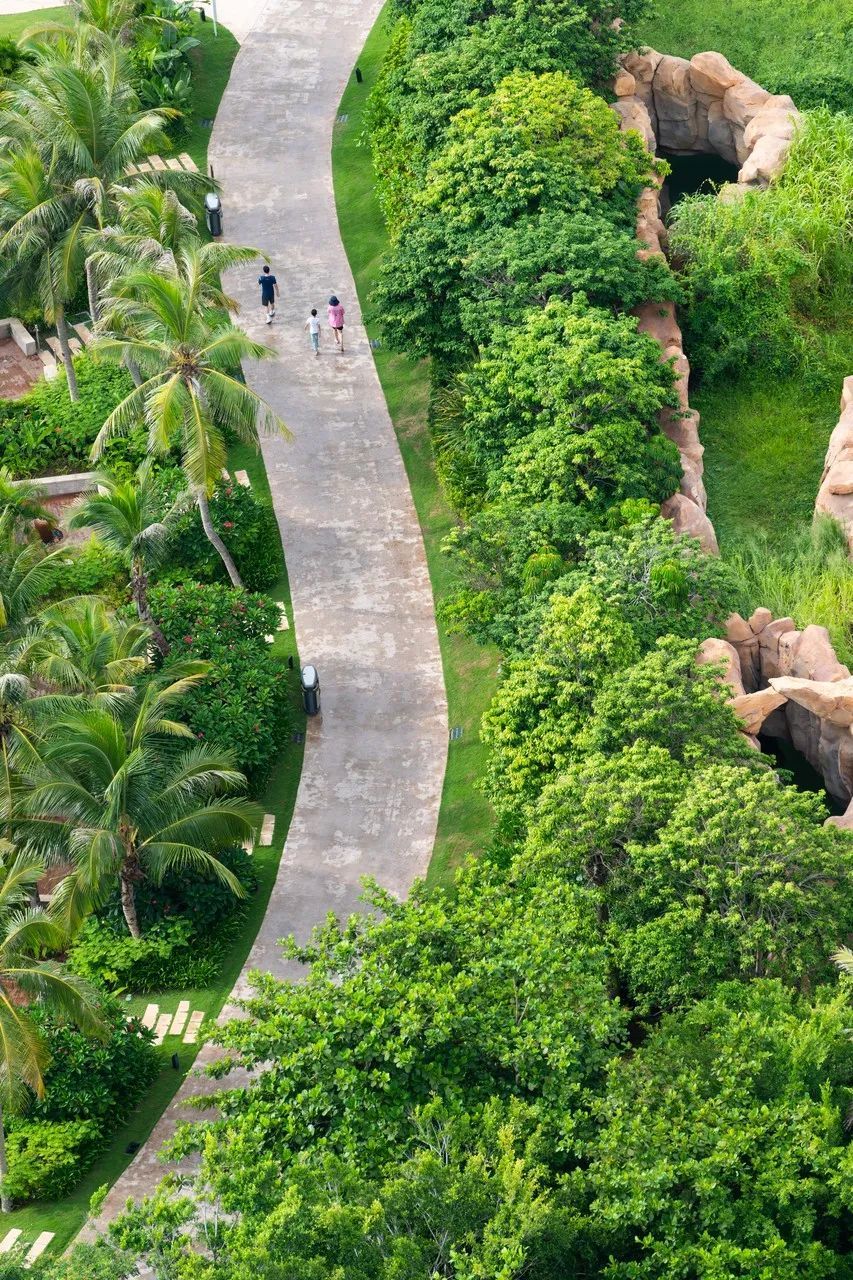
{"x":213,"y":213}
{"x":310,"y":691}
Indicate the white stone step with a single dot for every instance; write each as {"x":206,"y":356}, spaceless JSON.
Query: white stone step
{"x":180,"y":1018}
{"x":157,"y":164}
{"x":188,"y":162}
{"x":149,"y":1017}
{"x":84,"y":333}
{"x":10,"y":1239}
{"x":162,"y":1028}
{"x":196,"y":1019}
{"x":226,"y":475}
{"x":56,"y":348}
{"x":174,"y":163}
{"x":267,"y":829}
{"x":144,"y":167}
{"x":242,"y":477}
{"x":38,"y":1247}
{"x":75,"y":345}
{"x":283,"y":624}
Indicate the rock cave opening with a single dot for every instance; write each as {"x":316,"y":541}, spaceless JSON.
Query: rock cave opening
{"x":802,"y":774}
{"x":696,"y":173}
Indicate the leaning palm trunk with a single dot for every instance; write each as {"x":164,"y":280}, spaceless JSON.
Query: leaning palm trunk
{"x":62,"y":335}
{"x":92,"y":290}
{"x":139,"y":592}
{"x":5,"y":1199}
{"x":214,"y":538}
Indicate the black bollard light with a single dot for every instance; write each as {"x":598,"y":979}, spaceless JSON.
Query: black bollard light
{"x":358,"y":76}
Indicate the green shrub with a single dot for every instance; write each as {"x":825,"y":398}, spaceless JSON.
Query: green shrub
{"x":44,"y":432}
{"x":94,"y":1079}
{"x":167,"y":955}
{"x":47,"y":1157}
{"x":92,"y":568}
{"x":249,"y":530}
{"x":203,"y":900}
{"x":242,"y":705}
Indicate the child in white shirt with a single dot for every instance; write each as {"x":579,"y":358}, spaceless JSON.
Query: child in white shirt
{"x":312,"y":324}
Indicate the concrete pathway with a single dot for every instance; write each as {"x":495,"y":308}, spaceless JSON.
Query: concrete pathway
{"x":374,"y":762}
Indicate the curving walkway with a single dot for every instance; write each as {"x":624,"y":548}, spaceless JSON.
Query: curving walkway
{"x":374,"y":763}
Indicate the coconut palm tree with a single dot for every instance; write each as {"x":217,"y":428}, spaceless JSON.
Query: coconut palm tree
{"x":189,"y":396}
{"x":123,"y":801}
{"x":128,"y":517}
{"x":112,"y":18}
{"x":25,"y":933}
{"x":69,"y":128}
{"x":23,"y":498}
{"x":79,"y":647}
{"x":27,"y":575}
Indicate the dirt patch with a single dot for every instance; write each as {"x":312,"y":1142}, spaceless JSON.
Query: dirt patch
{"x":17,"y":372}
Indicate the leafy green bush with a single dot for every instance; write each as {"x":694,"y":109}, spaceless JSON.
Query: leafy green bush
{"x":94,"y":1079}
{"x":91,"y":568}
{"x":242,"y":704}
{"x":248,"y":528}
{"x":45,"y":432}
{"x":47,"y":1157}
{"x":167,"y":955}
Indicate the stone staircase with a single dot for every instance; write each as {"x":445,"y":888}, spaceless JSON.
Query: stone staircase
{"x":13,"y":1239}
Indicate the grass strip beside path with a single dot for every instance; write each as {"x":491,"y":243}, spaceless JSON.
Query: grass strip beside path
{"x":470,"y":669}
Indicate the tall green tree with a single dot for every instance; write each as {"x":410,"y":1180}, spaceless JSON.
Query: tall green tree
{"x":25,"y":932}
{"x":123,"y":799}
{"x":79,"y":647}
{"x":128,"y":517}
{"x":189,"y":397}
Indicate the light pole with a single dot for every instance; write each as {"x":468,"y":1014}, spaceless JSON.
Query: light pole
{"x":213,"y":7}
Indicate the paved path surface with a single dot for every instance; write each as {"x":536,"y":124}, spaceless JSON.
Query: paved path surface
{"x":374,"y":763}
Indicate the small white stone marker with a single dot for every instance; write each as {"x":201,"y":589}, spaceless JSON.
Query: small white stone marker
{"x":270,"y":639}
{"x":267,"y":828}
{"x":162,"y":1028}
{"x":196,"y":1019}
{"x":149,"y":1017}
{"x":10,"y":1240}
{"x":242,"y":477}
{"x":226,"y":474}
{"x":180,"y":1018}
{"x":249,"y":846}
{"x":38,"y":1247}
{"x":283,"y":624}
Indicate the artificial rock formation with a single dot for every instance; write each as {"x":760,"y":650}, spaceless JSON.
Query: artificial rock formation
{"x":683,"y":107}
{"x":809,"y":694}
{"x":707,"y":105}
{"x":835,"y":496}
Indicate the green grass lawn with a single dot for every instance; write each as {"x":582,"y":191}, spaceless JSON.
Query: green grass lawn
{"x":765,"y":441}
{"x":13,"y":25}
{"x":470,"y":670}
{"x":211,"y":63}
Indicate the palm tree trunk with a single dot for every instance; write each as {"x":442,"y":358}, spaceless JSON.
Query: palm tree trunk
{"x":92,"y":289}
{"x":214,"y":538}
{"x":128,"y":904}
{"x":62,"y":335}
{"x":139,"y":591}
{"x":5,"y":1201}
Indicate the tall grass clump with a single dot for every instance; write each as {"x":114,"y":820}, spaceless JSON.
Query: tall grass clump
{"x":769,"y":276}
{"x":809,"y":578}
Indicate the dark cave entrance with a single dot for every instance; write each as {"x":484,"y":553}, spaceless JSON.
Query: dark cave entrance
{"x":800,"y":773}
{"x":698,"y":173}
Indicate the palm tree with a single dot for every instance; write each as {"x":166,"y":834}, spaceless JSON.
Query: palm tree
{"x":23,"y":498}
{"x":79,"y":647}
{"x":127,"y":516}
{"x":189,"y":396}
{"x":27,"y":575}
{"x":69,"y":128}
{"x":113,"y":18}
{"x":25,"y":933}
{"x":122,"y":803}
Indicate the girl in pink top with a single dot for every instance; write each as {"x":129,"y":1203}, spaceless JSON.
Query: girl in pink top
{"x":336,"y":320}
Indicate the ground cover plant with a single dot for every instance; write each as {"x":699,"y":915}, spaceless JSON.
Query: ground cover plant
{"x":617,"y":1046}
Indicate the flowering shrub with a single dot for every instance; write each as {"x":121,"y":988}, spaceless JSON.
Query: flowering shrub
{"x":249,"y":530}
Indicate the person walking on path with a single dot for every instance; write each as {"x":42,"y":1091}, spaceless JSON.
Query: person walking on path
{"x":269,"y":292}
{"x":336,"y":320}
{"x":312,"y":324}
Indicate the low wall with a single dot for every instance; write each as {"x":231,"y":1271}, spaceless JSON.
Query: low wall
{"x":703,"y":105}
{"x":64,"y":486}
